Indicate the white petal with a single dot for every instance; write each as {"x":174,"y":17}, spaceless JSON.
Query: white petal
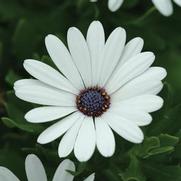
{"x":147,"y":83}
{"x":139,"y":117}
{"x":135,"y":88}
{"x":104,"y":137}
{"x":26,"y":82}
{"x":58,"y":129}
{"x":156,"y":73}
{"x":93,"y":0}
{"x":37,"y":92}
{"x":34,"y":168}
{"x":132,"y":48}
{"x":63,"y":60}
{"x":129,"y":70}
{"x":156,"y":89}
{"x":90,"y":178}
{"x":114,"y":5}
{"x":62,"y":173}
{"x":48,"y":113}
{"x":48,"y":75}
{"x":95,"y":41}
{"x":80,"y":54}
{"x":86,"y":141}
{"x":164,"y":6}
{"x":112,"y":53}
{"x":68,"y":141}
{"x":7,"y":175}
{"x":178,"y":2}
{"x":148,"y":103}
{"x":125,"y":128}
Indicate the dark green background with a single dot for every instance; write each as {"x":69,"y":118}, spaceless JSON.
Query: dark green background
{"x":23,"y":27}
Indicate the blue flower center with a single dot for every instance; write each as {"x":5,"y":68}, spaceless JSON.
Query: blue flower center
{"x":93,"y":101}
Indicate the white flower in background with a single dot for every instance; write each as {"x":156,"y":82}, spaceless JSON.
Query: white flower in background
{"x":113,"y":5}
{"x":36,"y":172}
{"x":164,"y":6}
{"x":106,"y":86}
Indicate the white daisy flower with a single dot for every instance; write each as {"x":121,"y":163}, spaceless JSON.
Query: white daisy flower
{"x":105,"y":86}
{"x":113,"y":5}
{"x":36,"y":172}
{"x":164,"y":6}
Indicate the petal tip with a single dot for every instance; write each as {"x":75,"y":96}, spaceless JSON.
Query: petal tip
{"x":30,"y":157}
{"x":72,"y":29}
{"x":61,"y":154}
{"x":140,"y":140}
{"x":164,"y":72}
{"x":49,"y":37}
{"x":28,"y":62}
{"x":40,"y":140}
{"x":139,"y":40}
{"x":28,"y":118}
{"x":82,"y":158}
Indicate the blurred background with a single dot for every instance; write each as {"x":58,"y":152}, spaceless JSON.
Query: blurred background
{"x":23,"y":27}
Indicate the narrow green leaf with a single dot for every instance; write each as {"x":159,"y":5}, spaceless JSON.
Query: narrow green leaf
{"x":134,"y":171}
{"x":25,"y":127}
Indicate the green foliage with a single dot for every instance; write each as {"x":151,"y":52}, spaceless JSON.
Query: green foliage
{"x":23,"y":27}
{"x":133,"y":172}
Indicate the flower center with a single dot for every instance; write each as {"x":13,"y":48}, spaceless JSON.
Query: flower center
{"x":93,"y":101}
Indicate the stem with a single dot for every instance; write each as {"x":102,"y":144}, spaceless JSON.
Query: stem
{"x":144,"y":16}
{"x":147,"y":14}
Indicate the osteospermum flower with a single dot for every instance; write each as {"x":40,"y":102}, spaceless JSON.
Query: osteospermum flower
{"x":104,"y":86}
{"x":164,"y":6}
{"x":36,"y":172}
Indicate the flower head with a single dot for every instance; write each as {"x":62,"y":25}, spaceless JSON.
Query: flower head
{"x":104,"y":86}
{"x":164,"y":6}
{"x":36,"y":172}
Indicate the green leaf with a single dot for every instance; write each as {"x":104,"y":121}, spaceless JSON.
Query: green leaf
{"x":16,"y":111}
{"x":143,"y":149}
{"x":25,"y":127}
{"x":161,"y":150}
{"x":163,"y":144}
{"x":167,"y":145}
{"x":134,"y":171}
{"x":168,"y":140}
